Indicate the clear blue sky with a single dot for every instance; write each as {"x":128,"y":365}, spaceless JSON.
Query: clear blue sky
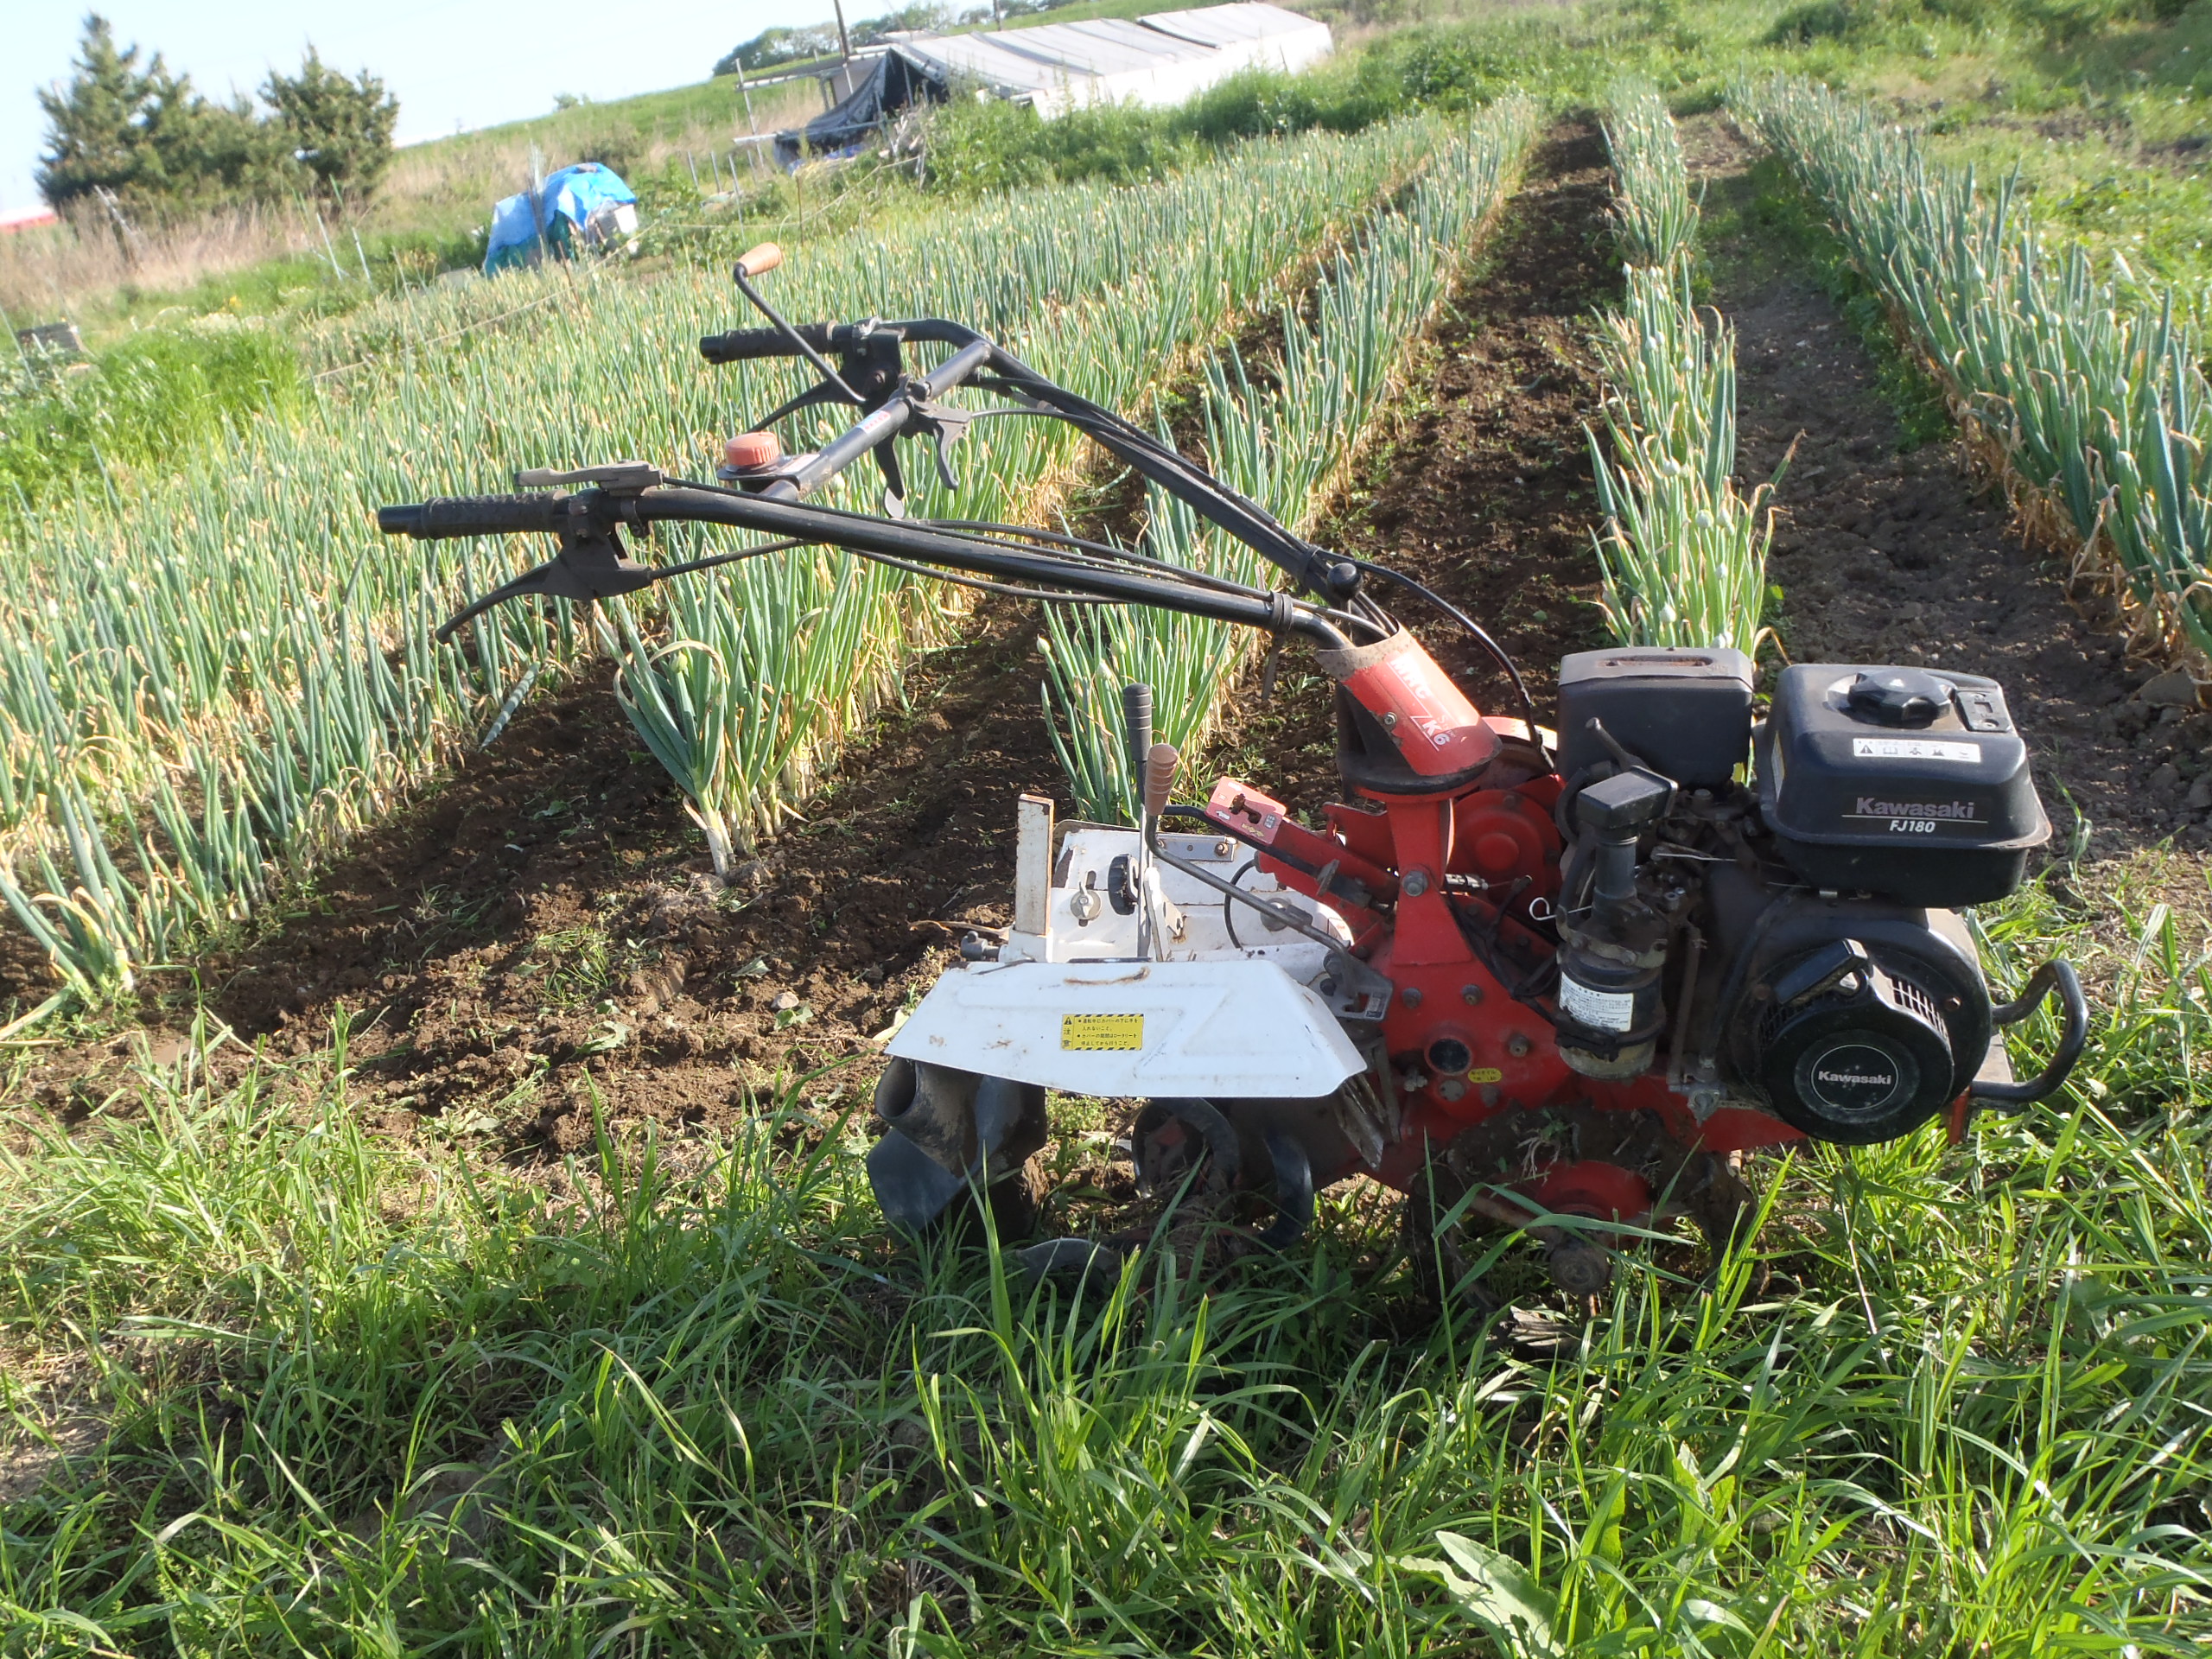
{"x":467,"y":61}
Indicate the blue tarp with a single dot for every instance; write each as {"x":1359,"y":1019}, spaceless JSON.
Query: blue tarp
{"x":552,"y":217}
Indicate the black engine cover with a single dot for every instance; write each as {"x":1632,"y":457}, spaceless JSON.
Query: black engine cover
{"x":1909,"y":783}
{"x":1862,"y":1056}
{"x":1810,"y":979}
{"x":1686,"y":713}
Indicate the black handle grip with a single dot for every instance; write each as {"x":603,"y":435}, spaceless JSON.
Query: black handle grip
{"x":471,"y":515}
{"x":743,"y":345}
{"x":1136,"y":728}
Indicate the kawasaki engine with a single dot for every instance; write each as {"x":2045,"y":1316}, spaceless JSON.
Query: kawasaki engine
{"x":1803,"y":928}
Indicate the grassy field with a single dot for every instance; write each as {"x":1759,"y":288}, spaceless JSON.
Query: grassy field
{"x":2102,"y":109}
{"x":675,"y":146}
{"x":282,"y":1384}
{"x":288,"y":1365}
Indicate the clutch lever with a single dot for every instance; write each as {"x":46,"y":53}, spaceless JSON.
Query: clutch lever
{"x":591,"y":563}
{"x":822,"y":392}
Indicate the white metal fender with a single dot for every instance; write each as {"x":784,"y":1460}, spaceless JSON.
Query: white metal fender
{"x":1133,"y":1028}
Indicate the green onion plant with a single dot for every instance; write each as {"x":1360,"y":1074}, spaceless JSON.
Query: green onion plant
{"x":1655,"y":221}
{"x":2094,"y":407}
{"x":208,"y":680}
{"x":1286,"y":444}
{"x":1682,"y":552}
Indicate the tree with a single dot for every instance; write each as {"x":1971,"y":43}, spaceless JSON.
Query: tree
{"x":98,"y":127}
{"x":780,"y":44}
{"x":147,"y":138}
{"x":226,"y":154}
{"x":922,"y":17}
{"x":339,"y":128}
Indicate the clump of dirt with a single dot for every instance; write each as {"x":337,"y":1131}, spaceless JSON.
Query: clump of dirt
{"x":1885,"y":555}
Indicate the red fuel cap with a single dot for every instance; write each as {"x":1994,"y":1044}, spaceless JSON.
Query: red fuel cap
{"x":752,"y":451}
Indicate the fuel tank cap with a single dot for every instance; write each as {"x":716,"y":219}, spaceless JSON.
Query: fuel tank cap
{"x":1899,"y":696}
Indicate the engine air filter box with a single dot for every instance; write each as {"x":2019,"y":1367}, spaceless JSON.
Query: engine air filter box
{"x":1909,"y":782}
{"x":1684,"y":713}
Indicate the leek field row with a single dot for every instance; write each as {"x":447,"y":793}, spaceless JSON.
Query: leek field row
{"x":202,"y":687}
{"x":1286,"y":446}
{"x":1683,"y":554}
{"x":2093,"y":407}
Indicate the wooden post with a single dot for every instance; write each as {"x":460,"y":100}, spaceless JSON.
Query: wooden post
{"x":744,"y":92}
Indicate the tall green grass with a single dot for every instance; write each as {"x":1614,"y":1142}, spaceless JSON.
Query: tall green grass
{"x":339,"y":1394}
{"x":1284,"y":444}
{"x":134,"y":408}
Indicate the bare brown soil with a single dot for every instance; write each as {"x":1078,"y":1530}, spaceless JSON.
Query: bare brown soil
{"x":545,"y":928}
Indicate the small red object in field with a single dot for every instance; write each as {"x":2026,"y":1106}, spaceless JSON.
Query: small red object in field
{"x":752,"y":451}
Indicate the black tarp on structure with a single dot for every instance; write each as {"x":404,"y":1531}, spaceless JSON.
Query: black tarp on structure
{"x":895,"y":83}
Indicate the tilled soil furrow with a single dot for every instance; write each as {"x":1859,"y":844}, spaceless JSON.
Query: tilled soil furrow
{"x":1885,"y":557}
{"x":1484,"y":491}
{"x":551,"y":901}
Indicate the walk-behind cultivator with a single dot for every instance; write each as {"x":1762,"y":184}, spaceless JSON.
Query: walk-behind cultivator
{"x":1546,"y":982}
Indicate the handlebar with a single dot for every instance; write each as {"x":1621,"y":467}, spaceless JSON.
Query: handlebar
{"x":472,"y":515}
{"x":592,"y":564}
{"x":898,"y":403}
{"x":592,"y":515}
{"x":976,"y":355}
{"x":745,"y":345}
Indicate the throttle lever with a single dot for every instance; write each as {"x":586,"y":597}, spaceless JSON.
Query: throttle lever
{"x":945,"y":426}
{"x":758,"y":262}
{"x":616,"y":477}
